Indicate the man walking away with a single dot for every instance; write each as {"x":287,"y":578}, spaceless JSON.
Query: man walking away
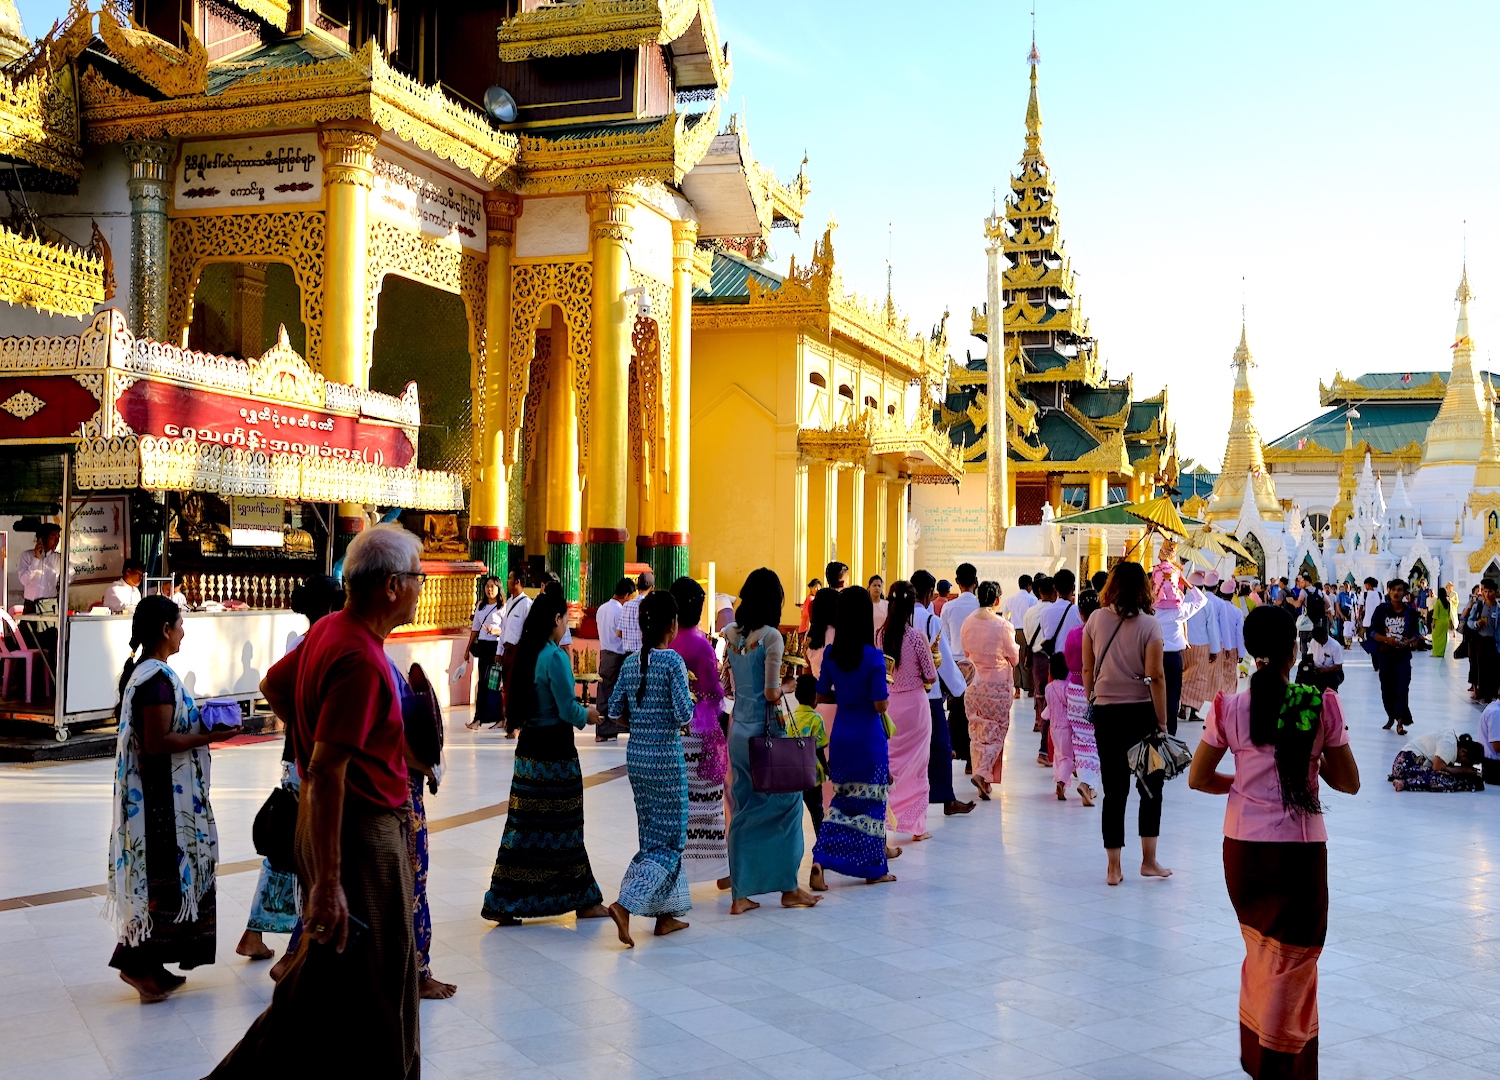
{"x":611,"y":655}
{"x":512,"y":618}
{"x":1369,"y":601}
{"x":954,"y":612}
{"x":1397,"y":629}
{"x":1046,"y":596}
{"x":1053,"y":627}
{"x":1015,"y":607}
{"x":1482,"y":621}
{"x":940,"y":750}
{"x":837,"y":575}
{"x":347,"y":1005}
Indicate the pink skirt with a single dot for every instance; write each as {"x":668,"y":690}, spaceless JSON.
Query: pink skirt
{"x":909,"y":749}
{"x":988,"y":704}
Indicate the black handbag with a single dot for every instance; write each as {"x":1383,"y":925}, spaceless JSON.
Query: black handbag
{"x":782,"y":765}
{"x":274,"y":831}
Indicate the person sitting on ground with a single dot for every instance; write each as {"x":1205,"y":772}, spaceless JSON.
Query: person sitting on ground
{"x":125,"y":594}
{"x":1440,"y":761}
{"x":1323,"y":666}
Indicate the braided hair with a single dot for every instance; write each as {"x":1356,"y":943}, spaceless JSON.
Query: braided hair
{"x":658,"y":614}
{"x":152,"y":616}
{"x":901,"y":603}
{"x":1281,"y":715}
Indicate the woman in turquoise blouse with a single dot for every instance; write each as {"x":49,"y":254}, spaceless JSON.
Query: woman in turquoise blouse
{"x":542,"y":868}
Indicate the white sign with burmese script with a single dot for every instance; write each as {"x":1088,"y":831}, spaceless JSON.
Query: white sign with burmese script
{"x":410,"y":194}
{"x":256,"y":522}
{"x":249,"y":173}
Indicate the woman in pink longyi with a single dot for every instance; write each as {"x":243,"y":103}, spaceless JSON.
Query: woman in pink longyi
{"x":989,"y":641}
{"x":909,"y":659}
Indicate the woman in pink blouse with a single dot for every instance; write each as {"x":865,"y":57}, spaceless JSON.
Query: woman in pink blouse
{"x":909,"y":661}
{"x":989,"y":641}
{"x":1283,"y":736}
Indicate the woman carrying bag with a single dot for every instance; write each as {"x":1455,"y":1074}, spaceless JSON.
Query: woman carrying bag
{"x":1127,"y":692}
{"x":765,"y":829}
{"x":484,"y":641}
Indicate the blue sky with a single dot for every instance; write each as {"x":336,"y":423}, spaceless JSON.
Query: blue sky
{"x":1327,"y":153}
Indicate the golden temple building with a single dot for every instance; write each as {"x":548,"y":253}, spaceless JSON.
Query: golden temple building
{"x":1075,"y":439}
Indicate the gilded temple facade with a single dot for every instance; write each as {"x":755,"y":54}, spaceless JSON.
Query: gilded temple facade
{"x":330,"y":167}
{"x":1075,"y":439}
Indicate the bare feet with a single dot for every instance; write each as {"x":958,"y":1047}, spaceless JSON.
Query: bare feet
{"x":433,"y":990}
{"x":742,"y":905}
{"x":1154,"y":869}
{"x":151,"y":993}
{"x":253,"y":947}
{"x":282,"y":966}
{"x":1044,"y":761}
{"x":723,"y":884}
{"x":1388,"y":725}
{"x":917,"y":837}
{"x":1399,"y":785}
{"x":815,"y":879}
{"x":598,"y":911}
{"x":892,"y":852}
{"x":1113,"y":875}
{"x":622,"y":924}
{"x":1062,"y":792}
{"x":665,"y":925}
{"x":982,"y":786}
{"x":1086,"y":794}
{"x":880,"y":879}
{"x":798,"y":898}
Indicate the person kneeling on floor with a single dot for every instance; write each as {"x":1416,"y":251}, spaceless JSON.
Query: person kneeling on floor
{"x":1441,"y":761}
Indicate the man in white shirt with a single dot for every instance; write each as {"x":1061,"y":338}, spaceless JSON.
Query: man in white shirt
{"x":1014,"y":608}
{"x":1053,"y":626}
{"x":1200,"y":668}
{"x":940,"y":750}
{"x":955,"y":611}
{"x":41,"y":567}
{"x":1231,"y":636}
{"x":611,"y":655}
{"x":1174,"y":644}
{"x":1323,"y":666}
{"x":1031,"y":626}
{"x":1369,"y":600}
{"x":1489,"y":735}
{"x":125,"y":594}
{"x":512,"y":620}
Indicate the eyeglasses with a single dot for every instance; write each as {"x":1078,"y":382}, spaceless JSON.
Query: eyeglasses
{"x":418,"y":574}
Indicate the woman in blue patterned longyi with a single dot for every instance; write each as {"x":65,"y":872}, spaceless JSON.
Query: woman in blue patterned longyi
{"x":852,"y":839}
{"x":653,"y":692}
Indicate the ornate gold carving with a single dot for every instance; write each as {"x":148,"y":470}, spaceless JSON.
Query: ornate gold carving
{"x":49,"y":277}
{"x":609,"y":211}
{"x":174,"y":72}
{"x":501,"y":209}
{"x":581,"y":27}
{"x":917,"y":445}
{"x":663,"y":152}
{"x":348,"y":154}
{"x":61,"y":45}
{"x":534,"y":285}
{"x":39,"y":120}
{"x":446,"y":603}
{"x":23,"y":405}
{"x":646,"y":395}
{"x":275,"y":12}
{"x":361,"y":86}
{"x":292,"y":238}
{"x":103,"y":463}
{"x":1345,"y":392}
{"x":394,"y":250}
{"x":536,"y":396}
{"x":684,"y":245}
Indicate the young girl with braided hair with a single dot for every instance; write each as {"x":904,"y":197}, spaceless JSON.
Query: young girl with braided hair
{"x":654,"y":695}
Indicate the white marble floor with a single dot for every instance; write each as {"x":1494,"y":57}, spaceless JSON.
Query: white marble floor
{"x":999,"y":952}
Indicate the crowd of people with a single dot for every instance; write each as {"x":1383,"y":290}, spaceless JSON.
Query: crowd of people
{"x":895,"y":688}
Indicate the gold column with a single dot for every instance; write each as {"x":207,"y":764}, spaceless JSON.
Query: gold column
{"x":1098,"y":496}
{"x":800,"y":574}
{"x":672,"y":535}
{"x":899,"y":557}
{"x":1010,"y":496}
{"x":1054,"y":492}
{"x":489,"y":527}
{"x":348,"y":160}
{"x":609,"y":387}
{"x":832,"y":549}
{"x":564,"y":525}
{"x":817,"y":535}
{"x":150,"y":187}
{"x":856,"y":541}
{"x":878,"y":530}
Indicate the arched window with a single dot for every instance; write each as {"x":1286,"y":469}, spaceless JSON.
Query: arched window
{"x":818,"y":381}
{"x":846,"y":391}
{"x":890,"y":410}
{"x":871,"y":403}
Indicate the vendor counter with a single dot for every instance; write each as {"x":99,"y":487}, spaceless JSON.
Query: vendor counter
{"x":224,"y":654}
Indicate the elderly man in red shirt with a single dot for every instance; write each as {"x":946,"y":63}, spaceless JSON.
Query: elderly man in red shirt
{"x":348,"y":1003}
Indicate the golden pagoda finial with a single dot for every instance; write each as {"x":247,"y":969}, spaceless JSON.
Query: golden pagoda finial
{"x":1033,"y":111}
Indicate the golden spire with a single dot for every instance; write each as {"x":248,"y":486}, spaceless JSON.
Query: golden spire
{"x":1243,"y":474}
{"x":1457,"y":434}
{"x":1033,"y":113}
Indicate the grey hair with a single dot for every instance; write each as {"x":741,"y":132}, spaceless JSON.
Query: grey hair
{"x":377,"y":553}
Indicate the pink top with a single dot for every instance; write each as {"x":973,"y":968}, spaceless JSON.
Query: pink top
{"x":916,"y":668}
{"x":991,"y":644}
{"x":1073,"y":654}
{"x":1255,"y":812}
{"x":815,"y":656}
{"x":1056,"y":696}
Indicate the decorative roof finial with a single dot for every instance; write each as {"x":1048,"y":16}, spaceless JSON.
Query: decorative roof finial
{"x":1033,"y":108}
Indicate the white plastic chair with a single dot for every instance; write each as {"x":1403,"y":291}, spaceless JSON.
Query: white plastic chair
{"x":14,"y":651}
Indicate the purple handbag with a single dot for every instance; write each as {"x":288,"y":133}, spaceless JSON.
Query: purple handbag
{"x":782,"y":765}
